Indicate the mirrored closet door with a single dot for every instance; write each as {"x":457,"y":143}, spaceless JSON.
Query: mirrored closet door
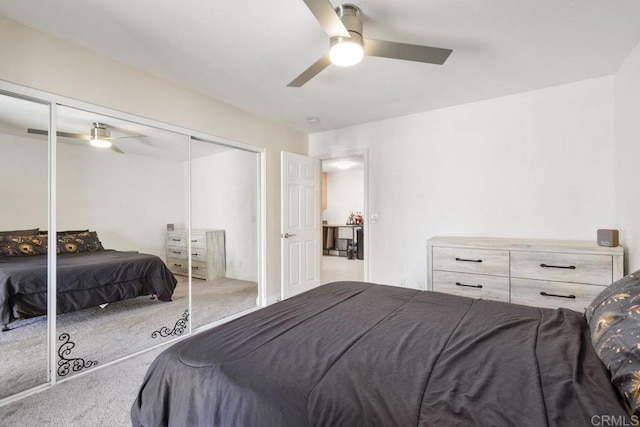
{"x":23,"y":245}
{"x":224,"y":218}
{"x":151,"y":232}
{"x":119,"y":184}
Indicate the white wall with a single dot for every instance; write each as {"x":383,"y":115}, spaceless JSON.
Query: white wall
{"x":33,"y":59}
{"x":24,"y":178}
{"x":532,"y":165}
{"x":128,"y":199}
{"x":345,"y":193}
{"x":627,"y":167}
{"x":224,"y":197}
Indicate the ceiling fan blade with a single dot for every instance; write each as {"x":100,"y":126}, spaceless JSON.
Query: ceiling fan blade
{"x":311,"y":72}
{"x":127,"y":132}
{"x":326,"y":15}
{"x":38,"y":131}
{"x":111,"y":138}
{"x":74,"y":135}
{"x":116,"y":149}
{"x":63,"y":134}
{"x":408,"y":52}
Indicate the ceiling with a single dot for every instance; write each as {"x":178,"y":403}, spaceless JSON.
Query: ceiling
{"x":245,"y":52}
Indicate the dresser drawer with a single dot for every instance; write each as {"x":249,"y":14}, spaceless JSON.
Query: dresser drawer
{"x":562,"y":267}
{"x":198,"y":270}
{"x":177,"y":240}
{"x":478,"y":261}
{"x":197,"y":254}
{"x":178,"y":252}
{"x":182,"y":240}
{"x":472,"y":285}
{"x":540,"y":293}
{"x":178,"y":266}
{"x":198,"y":241}
{"x":181,"y":267}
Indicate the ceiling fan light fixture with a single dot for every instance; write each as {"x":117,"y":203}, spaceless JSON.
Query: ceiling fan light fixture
{"x":346,"y":52}
{"x":344,"y":165}
{"x":99,"y":135}
{"x":100,"y":143}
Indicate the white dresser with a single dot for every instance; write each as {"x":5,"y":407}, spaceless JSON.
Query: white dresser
{"x":542,"y":273}
{"x":207,"y":253}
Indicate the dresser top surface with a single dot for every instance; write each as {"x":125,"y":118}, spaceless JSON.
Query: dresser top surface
{"x":540,"y":245}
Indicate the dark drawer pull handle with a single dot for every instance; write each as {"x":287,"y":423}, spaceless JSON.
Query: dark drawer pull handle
{"x":177,"y":240}
{"x":177,"y":265}
{"x":194,"y":241}
{"x":570,"y":267}
{"x":544,"y":294}
{"x":468,"y":260}
{"x":176,"y":252}
{"x":469,"y":286}
{"x":194,"y":268}
{"x":194,"y":254}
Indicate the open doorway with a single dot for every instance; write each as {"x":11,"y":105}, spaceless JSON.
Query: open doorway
{"x":343,"y":202}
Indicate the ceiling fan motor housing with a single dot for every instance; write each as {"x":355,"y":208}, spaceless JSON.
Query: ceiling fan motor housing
{"x":99,"y":131}
{"x":349,"y":14}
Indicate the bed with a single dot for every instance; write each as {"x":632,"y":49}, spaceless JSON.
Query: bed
{"x":361,"y":354}
{"x":84,"y":278}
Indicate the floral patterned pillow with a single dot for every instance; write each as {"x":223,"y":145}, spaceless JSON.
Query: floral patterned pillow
{"x":614,"y":320}
{"x":80,"y":242}
{"x":22,"y":245}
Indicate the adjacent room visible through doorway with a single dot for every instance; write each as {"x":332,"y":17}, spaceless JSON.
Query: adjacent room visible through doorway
{"x":343,"y":225}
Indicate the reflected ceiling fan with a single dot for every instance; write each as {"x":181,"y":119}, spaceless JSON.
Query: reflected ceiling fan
{"x":347,"y":45}
{"x":100,"y":136}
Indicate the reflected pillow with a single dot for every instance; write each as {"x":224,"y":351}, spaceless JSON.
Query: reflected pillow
{"x":31,"y":232}
{"x":614,"y":320}
{"x":22,"y":245}
{"x":79,"y":242}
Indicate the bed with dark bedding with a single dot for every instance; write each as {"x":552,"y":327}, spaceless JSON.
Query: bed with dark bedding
{"x":360,"y":354}
{"x":84,"y":279}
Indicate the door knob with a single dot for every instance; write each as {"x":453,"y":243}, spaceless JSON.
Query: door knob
{"x":287,"y":235}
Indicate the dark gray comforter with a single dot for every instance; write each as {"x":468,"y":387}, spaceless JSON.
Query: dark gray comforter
{"x":84,"y":279}
{"x":359,"y":354}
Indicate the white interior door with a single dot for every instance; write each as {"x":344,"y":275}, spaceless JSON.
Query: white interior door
{"x":301,"y":224}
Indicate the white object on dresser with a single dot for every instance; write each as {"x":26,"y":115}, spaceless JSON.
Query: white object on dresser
{"x":542,"y":273}
{"x":207,"y":253}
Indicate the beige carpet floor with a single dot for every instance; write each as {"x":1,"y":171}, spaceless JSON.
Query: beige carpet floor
{"x":117,"y":330}
{"x":100,"y":398}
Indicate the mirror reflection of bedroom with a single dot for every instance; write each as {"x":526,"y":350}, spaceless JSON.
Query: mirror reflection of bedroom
{"x":23,"y":212}
{"x":343,"y":233}
{"x":129,"y":274}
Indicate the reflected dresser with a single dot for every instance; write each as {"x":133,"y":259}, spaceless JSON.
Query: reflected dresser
{"x":542,"y":273}
{"x":207,"y":249}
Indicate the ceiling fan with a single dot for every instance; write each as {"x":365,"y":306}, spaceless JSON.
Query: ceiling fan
{"x":348,"y":46}
{"x":99,"y":136}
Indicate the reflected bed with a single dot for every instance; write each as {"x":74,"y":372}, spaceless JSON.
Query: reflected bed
{"x":351,"y":353}
{"x":84,"y":279}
